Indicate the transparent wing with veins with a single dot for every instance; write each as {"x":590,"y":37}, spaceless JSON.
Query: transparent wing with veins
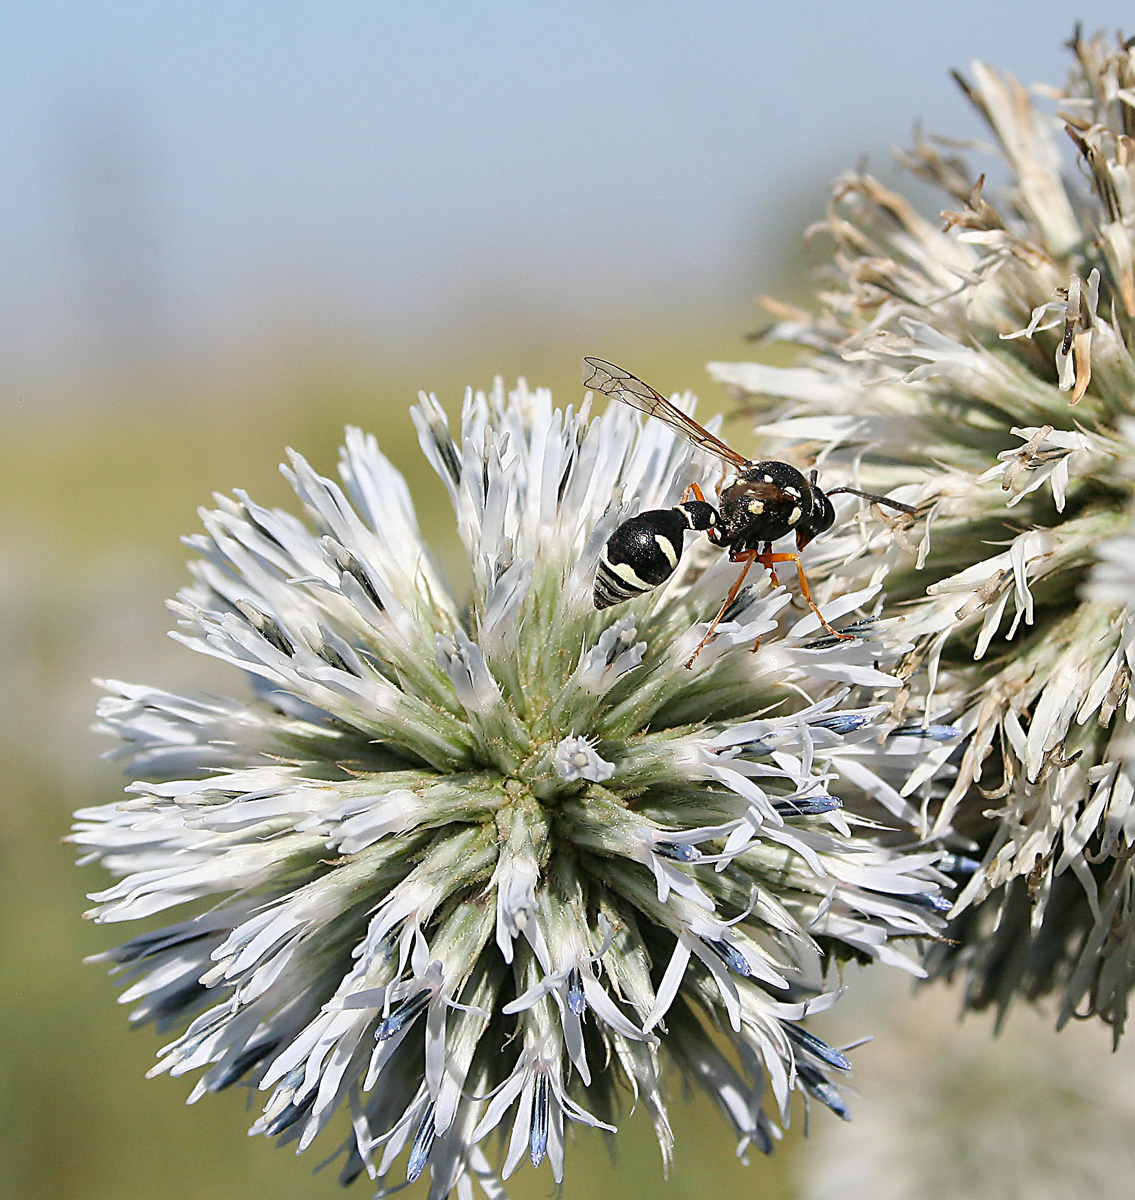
{"x":605,"y":377}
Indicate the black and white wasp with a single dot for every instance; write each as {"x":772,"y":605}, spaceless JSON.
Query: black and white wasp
{"x":757,"y":503}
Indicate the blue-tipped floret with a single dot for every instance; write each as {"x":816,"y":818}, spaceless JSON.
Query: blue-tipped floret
{"x":402,"y":1015}
{"x":841,"y":722}
{"x":823,"y":1090}
{"x":576,"y":1000}
{"x":935,"y":733}
{"x":731,"y":957}
{"x":678,"y":851}
{"x":423,"y":1144}
{"x":808,"y":806}
{"x":538,"y":1135}
{"x":817,"y":1048}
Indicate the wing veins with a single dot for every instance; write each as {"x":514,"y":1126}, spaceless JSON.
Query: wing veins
{"x":613,"y":381}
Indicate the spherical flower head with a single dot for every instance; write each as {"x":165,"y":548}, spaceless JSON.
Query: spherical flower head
{"x":983,"y":370}
{"x":485,"y":866}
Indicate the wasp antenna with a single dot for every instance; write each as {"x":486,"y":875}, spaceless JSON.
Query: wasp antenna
{"x":906,"y":508}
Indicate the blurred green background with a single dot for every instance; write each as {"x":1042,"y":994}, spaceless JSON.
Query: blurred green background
{"x":228,"y":229}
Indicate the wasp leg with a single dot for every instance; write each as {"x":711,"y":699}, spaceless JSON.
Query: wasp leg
{"x":772,"y":575}
{"x":749,"y":557}
{"x":767,"y":559}
{"x":775,"y":583}
{"x":695,"y":491}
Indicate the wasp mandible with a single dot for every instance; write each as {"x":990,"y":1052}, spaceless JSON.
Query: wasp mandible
{"x":757,"y":503}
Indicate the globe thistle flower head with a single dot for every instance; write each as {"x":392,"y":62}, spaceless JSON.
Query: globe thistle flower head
{"x":480,"y":868}
{"x":982,"y":368}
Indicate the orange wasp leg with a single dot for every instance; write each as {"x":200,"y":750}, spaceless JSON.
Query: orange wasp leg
{"x":767,"y":559}
{"x":749,"y":557}
{"x":695,"y":491}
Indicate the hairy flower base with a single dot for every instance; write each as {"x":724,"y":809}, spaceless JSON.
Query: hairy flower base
{"x":486,"y":867}
{"x":988,"y":368}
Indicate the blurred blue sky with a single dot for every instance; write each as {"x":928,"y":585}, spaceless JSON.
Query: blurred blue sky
{"x":175,"y":172}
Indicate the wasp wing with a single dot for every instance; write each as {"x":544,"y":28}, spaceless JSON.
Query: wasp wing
{"x":605,"y":377}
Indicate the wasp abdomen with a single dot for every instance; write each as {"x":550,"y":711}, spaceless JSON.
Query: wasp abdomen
{"x":644,"y":551}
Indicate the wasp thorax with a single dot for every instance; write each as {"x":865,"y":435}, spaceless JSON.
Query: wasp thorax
{"x":765,"y":502}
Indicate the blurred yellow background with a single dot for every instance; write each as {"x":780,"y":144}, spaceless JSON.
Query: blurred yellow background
{"x":232,"y":229}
